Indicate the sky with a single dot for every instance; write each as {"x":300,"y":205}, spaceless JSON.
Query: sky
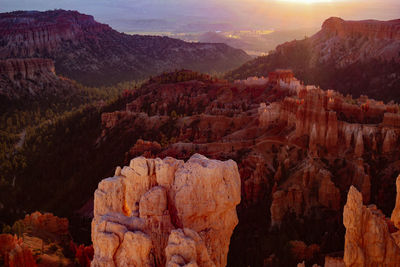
{"x":185,"y":15}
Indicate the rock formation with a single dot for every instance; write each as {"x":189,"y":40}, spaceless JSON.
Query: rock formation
{"x":14,"y":253}
{"x":31,"y":77}
{"x":298,"y":151}
{"x":313,"y":113}
{"x":186,"y":248}
{"x":396,"y":212}
{"x":157,"y":212}
{"x":15,"y":69}
{"x":298,"y":197}
{"x":333,"y":262}
{"x":47,"y":222}
{"x":143,"y":148}
{"x":368,"y":241}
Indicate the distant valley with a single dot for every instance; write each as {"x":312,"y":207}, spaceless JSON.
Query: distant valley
{"x":253,"y":42}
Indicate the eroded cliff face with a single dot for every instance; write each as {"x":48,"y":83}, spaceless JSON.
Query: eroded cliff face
{"x":372,"y":29}
{"x":329,"y":125}
{"x":311,"y":186}
{"x":368,"y":39}
{"x":368,"y":240}
{"x":166,"y":212}
{"x":31,"y":77}
{"x":16,"y":69}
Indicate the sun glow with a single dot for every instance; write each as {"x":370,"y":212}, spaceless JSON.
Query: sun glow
{"x":306,"y":1}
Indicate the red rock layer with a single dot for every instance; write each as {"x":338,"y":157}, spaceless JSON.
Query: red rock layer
{"x":46,"y":223}
{"x":27,"y":33}
{"x":14,"y":253}
{"x":27,"y":68}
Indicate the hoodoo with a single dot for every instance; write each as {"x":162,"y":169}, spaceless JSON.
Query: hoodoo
{"x":166,"y":212}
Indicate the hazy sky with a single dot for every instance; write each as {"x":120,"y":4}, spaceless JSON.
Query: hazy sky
{"x":241,"y":14}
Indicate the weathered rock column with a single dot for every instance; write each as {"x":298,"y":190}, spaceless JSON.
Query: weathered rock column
{"x":368,"y":241}
{"x":166,"y":213}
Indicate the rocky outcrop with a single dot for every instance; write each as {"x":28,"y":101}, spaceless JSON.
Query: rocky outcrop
{"x":156,"y":212}
{"x":46,"y":223}
{"x":368,"y":241}
{"x":297,"y":194}
{"x":32,"y":77}
{"x":314,"y":113}
{"x":143,"y":148}
{"x":333,"y":262}
{"x":14,"y":253}
{"x":396,"y":212}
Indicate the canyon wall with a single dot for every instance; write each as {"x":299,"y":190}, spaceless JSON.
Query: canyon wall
{"x":166,"y":212}
{"x":26,"y":68}
{"x":27,"y":34}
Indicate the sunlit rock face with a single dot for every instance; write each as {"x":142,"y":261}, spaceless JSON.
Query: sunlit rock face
{"x":369,"y":29}
{"x":368,"y":240}
{"x":166,"y":212}
{"x":396,"y":212}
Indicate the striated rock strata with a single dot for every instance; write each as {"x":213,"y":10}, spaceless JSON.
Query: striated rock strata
{"x":31,"y":77}
{"x":166,"y":212}
{"x":26,"y":68}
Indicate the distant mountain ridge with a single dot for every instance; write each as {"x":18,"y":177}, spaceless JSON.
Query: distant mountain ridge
{"x":347,"y":42}
{"x":356,"y":57}
{"x":95,"y":54}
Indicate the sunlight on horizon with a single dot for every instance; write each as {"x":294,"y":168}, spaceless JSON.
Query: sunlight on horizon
{"x":307,"y":1}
